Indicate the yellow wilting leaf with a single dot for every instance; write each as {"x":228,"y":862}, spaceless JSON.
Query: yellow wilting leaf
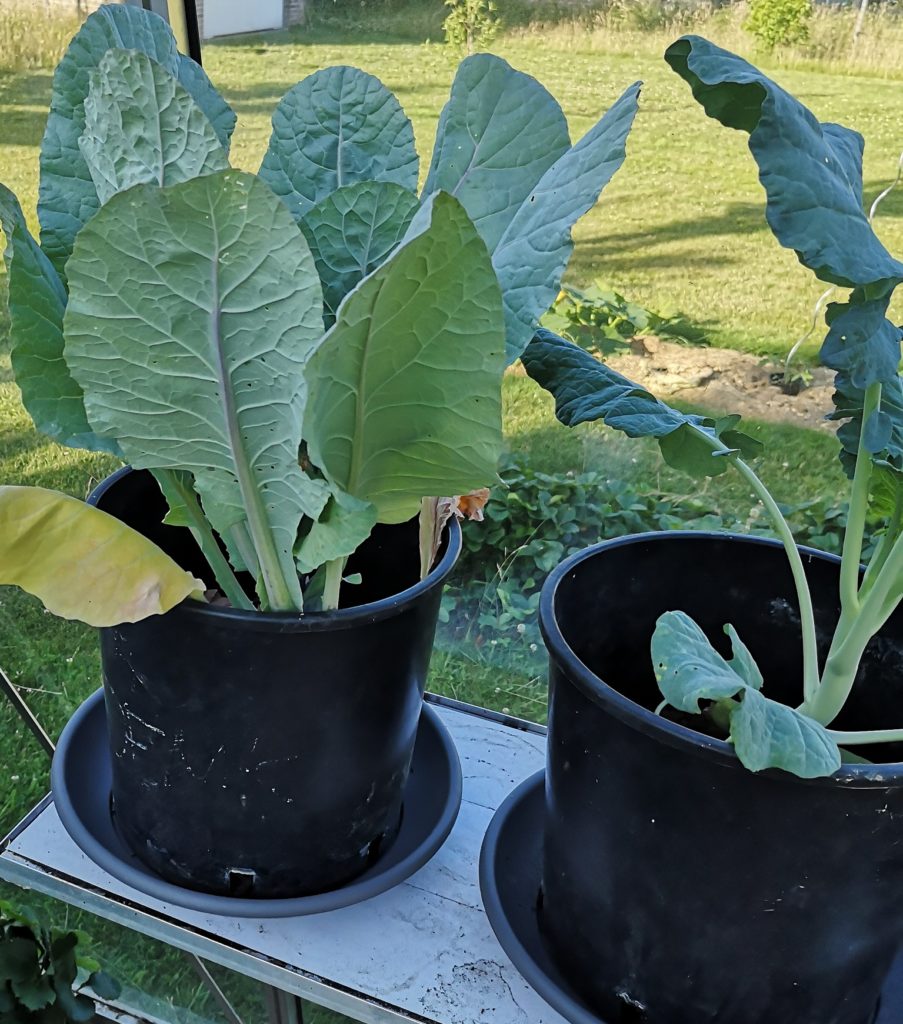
{"x":84,"y":564}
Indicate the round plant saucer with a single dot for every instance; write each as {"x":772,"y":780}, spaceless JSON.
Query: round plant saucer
{"x":510,"y":874}
{"x":81,"y":781}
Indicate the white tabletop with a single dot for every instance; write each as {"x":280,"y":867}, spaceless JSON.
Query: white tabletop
{"x":422,"y":952}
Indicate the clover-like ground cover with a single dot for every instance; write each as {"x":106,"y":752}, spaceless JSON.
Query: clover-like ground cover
{"x":680,"y":227}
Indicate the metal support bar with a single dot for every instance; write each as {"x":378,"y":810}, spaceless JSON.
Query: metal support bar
{"x":283,"y":1008}
{"x":28,"y":717}
{"x":25,"y":713}
{"x":192,"y":30}
{"x":219,"y":996}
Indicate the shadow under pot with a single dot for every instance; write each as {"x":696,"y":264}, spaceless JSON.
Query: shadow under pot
{"x":677,"y":886}
{"x":265,"y":754}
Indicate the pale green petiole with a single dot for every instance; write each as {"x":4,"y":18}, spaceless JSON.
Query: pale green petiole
{"x":177,"y":488}
{"x":333,"y":583}
{"x":804,"y":598}
{"x":852,"y":739}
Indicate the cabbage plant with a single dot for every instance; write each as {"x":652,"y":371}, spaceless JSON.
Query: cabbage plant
{"x":812,"y":175}
{"x":295,"y":355}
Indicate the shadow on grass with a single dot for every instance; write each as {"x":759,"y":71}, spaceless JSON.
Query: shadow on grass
{"x":24,"y":99}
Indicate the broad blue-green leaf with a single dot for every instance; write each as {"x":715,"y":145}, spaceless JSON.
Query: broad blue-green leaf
{"x":142,"y":127}
{"x":498,"y":134}
{"x":337,"y":127}
{"x":352,"y":231}
{"x":84,"y":564}
{"x":586,"y":390}
{"x":861,"y":342}
{"x":811,"y":172}
{"x":67,"y":197}
{"x":883,"y":437}
{"x":217,"y":111}
{"x":688,"y":669}
{"x":879,"y":430}
{"x":344,"y":524}
{"x":535,"y":247}
{"x":848,"y":407}
{"x":37,"y":302}
{"x":406,"y":388}
{"x":192,"y":311}
{"x":766,"y":734}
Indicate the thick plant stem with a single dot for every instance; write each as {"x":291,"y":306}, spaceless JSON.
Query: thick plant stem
{"x":333,"y":584}
{"x":852,"y":538}
{"x":804,"y":598}
{"x":879,"y":558}
{"x":852,"y":637}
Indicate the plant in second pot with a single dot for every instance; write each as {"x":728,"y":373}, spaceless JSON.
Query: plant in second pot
{"x":722,"y":825}
{"x":303,"y":360}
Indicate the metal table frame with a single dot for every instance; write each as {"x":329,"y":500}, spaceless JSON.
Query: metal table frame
{"x":423,"y":952}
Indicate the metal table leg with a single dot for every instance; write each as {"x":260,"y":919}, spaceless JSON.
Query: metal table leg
{"x":8,"y":689}
{"x":283,"y":1008}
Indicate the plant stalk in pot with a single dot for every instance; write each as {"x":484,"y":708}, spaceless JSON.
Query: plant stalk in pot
{"x":303,"y":367}
{"x":723,"y":819}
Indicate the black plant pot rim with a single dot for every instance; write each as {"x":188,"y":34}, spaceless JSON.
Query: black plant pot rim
{"x":719,"y":752}
{"x":311,"y":622}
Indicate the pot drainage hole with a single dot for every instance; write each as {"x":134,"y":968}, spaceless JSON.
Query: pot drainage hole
{"x":241,"y":881}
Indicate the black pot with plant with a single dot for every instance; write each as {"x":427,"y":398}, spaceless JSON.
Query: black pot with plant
{"x":721,"y":838}
{"x":306,"y":365}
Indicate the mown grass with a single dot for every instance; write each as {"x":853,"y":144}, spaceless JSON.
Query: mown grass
{"x":680,"y":227}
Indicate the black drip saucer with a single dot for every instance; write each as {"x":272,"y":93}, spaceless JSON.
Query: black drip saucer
{"x":81,"y":784}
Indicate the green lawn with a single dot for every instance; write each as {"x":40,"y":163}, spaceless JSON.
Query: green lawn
{"x":681,"y":227}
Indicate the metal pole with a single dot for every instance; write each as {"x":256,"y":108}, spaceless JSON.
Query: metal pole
{"x":219,"y":996}
{"x":192,"y":29}
{"x":28,"y":717}
{"x":25,"y":713}
{"x":283,"y":1008}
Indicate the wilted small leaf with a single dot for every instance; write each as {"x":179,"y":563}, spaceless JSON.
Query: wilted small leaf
{"x":689,"y":669}
{"x":765,"y":734}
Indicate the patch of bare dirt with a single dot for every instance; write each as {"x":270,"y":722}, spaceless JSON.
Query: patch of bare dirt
{"x":725,"y":381}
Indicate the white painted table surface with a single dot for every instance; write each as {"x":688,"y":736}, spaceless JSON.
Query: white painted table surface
{"x":422,"y":952}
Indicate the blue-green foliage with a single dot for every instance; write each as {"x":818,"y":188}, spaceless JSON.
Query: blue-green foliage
{"x":812,"y":176}
{"x":182,"y":270}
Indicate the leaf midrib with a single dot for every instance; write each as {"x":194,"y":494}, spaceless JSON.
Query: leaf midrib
{"x":360,"y":416}
{"x":261,"y":535}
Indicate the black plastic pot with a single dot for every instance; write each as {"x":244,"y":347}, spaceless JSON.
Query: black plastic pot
{"x":265,"y":755}
{"x":678,"y":887}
